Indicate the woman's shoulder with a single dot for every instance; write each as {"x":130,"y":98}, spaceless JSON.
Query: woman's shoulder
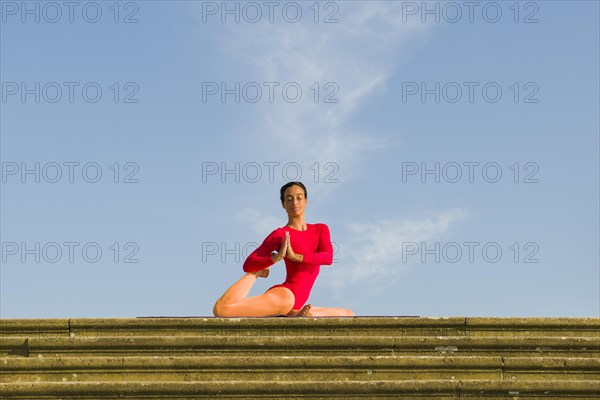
{"x":320,"y":225}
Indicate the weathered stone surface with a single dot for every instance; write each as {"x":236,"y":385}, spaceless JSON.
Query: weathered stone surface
{"x":333,"y":358}
{"x":430,"y":387}
{"x":22,"y":328}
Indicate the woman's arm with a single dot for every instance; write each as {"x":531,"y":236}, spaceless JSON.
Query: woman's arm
{"x":324,"y":255}
{"x":261,"y":258}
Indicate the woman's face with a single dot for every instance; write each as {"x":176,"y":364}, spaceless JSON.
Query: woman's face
{"x":294,"y":201}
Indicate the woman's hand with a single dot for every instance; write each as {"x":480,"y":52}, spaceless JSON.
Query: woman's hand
{"x":290,"y":254}
{"x":282,"y":250}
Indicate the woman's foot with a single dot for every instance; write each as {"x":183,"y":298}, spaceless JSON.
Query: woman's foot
{"x":303,"y":312}
{"x":263,"y":273}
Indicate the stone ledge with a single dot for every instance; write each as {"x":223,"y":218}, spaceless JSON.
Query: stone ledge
{"x":346,"y":358}
{"x":149,"y":325}
{"x":272,"y":362}
{"x":585,"y":387}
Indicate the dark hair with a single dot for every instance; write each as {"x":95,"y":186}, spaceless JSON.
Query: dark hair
{"x":290,"y":184}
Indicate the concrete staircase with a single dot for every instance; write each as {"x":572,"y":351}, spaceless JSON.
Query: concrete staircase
{"x":300,"y":358}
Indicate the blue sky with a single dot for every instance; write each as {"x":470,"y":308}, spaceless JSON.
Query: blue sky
{"x":360,"y":146}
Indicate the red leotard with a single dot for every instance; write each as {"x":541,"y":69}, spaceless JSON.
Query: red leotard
{"x":314,"y":244}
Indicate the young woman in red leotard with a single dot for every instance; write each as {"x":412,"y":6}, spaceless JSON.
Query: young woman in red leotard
{"x":303,"y":247}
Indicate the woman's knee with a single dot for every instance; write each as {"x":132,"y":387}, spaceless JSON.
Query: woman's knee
{"x":219,"y":310}
{"x":216,"y":309}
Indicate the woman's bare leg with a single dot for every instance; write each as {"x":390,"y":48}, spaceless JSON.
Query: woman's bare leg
{"x":240,"y":289}
{"x":330,"y":312}
{"x":234,"y":303}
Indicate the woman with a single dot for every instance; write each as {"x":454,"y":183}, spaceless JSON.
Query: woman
{"x":303,"y":247}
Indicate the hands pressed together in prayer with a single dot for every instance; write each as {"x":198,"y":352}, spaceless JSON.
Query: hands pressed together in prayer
{"x":286,"y":251}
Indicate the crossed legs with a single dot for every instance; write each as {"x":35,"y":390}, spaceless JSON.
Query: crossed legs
{"x":276,"y":301}
{"x":234,"y":303}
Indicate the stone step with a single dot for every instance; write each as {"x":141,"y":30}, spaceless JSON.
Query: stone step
{"x":301,"y":358}
{"x":303,"y":368}
{"x":297,"y":345}
{"x":304,"y":389}
{"x":350,"y":326}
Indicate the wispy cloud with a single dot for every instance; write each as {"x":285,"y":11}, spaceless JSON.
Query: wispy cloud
{"x":374,"y":250}
{"x":358,"y":54}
